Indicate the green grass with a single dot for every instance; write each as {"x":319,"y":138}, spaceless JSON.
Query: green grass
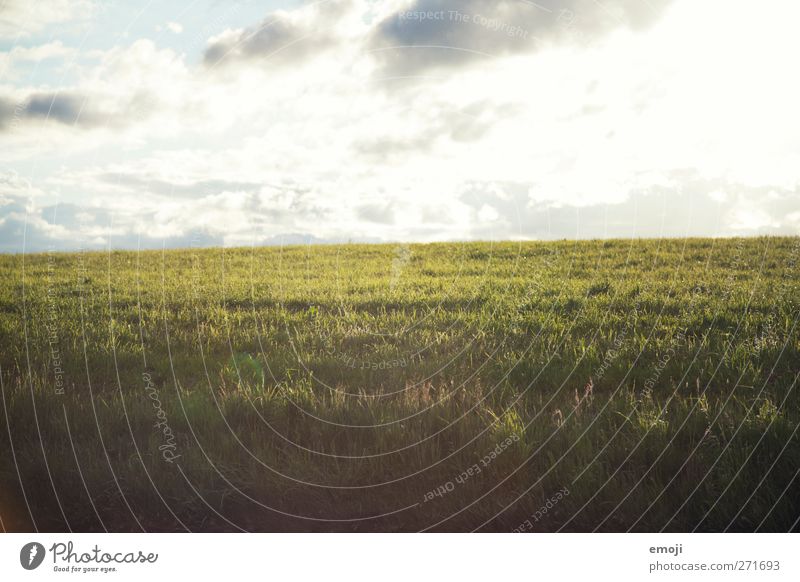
{"x":337,"y":387}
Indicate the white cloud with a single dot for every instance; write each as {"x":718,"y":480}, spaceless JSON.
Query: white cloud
{"x":21,"y":18}
{"x":173,"y":27}
{"x":748,"y":218}
{"x":21,"y":55}
{"x":318,"y":140}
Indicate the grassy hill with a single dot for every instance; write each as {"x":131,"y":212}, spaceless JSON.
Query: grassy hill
{"x":577,"y":386}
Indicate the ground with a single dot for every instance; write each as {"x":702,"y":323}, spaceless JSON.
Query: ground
{"x":639,"y":385}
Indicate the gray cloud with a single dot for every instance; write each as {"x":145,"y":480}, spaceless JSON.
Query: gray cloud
{"x":62,"y":107}
{"x":692,"y":210}
{"x":377,"y":213}
{"x":68,"y":227}
{"x":450,"y":33}
{"x":659,"y":211}
{"x":465,"y":124}
{"x":71,"y":108}
{"x":77,"y":109}
{"x":209,"y":215}
{"x":145,"y":183}
{"x":279,"y":39}
{"x":32,"y":235}
{"x":9,"y":110}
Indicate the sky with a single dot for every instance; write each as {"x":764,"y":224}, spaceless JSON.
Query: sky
{"x":201,"y":123}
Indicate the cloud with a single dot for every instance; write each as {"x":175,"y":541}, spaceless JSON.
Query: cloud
{"x":73,"y":109}
{"x":21,"y":18}
{"x":428,"y":34}
{"x":14,"y":187}
{"x":224,"y":218}
{"x":173,"y":27}
{"x":579,"y":128}
{"x":64,"y":108}
{"x":135,"y":203}
{"x":9,"y":112}
{"x":687,"y":205}
{"x":136,"y":182}
{"x":21,"y":55}
{"x":378,"y":213}
{"x":61,"y":107}
{"x":283,"y":37}
{"x":121,"y":88}
{"x":441,"y":121}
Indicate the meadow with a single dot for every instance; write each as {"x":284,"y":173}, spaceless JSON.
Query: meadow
{"x":621,"y":385}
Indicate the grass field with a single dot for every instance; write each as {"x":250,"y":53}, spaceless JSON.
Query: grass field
{"x":575,"y":386}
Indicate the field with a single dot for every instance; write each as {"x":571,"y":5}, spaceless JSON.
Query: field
{"x":626,"y":385}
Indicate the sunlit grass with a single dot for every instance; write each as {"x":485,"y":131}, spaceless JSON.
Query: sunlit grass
{"x":654,"y":379}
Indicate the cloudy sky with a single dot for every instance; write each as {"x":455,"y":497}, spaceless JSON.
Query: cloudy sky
{"x":136,"y":123}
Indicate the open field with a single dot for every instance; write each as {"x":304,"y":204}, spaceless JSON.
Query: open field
{"x":575,"y":386}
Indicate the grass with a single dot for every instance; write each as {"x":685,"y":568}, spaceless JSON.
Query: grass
{"x":629,"y":385}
